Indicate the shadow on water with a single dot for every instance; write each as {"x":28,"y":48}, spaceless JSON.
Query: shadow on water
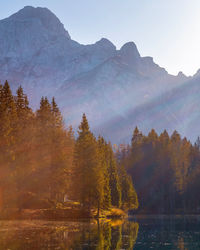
{"x":168,"y":232}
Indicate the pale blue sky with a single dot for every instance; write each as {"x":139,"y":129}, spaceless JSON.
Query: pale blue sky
{"x":167,"y":30}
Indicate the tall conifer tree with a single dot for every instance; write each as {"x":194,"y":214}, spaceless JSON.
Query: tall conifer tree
{"x":88,"y":177}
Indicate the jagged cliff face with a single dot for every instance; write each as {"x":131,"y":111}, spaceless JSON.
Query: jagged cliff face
{"x":107,"y":84}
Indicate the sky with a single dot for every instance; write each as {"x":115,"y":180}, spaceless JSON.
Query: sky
{"x":167,"y":30}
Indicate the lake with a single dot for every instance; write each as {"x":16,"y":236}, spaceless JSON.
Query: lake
{"x":140,"y":232}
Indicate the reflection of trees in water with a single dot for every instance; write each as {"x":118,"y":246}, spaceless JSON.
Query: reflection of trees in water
{"x":37,"y":239}
{"x":132,"y":231}
{"x":181,"y":244}
{"x":107,"y":236}
{"x":23,"y":235}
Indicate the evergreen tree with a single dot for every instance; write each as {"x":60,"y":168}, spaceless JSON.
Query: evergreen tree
{"x":43,"y":149}
{"x":24,"y":143}
{"x":136,"y":138}
{"x":54,"y":152}
{"x":104,"y":168}
{"x":129,"y":195}
{"x":88,"y":177}
{"x":8,"y":122}
{"x":60,"y":154}
{"x":113,"y":177}
{"x":163,"y":172}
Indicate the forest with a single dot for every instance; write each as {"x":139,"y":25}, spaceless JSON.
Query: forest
{"x":42,"y":163}
{"x":165,"y":170}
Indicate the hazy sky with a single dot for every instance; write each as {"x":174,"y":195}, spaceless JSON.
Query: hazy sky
{"x":167,"y":30}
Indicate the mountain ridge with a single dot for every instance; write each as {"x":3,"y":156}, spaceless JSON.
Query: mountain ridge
{"x":37,"y":52}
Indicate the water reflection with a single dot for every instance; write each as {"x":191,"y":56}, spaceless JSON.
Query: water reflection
{"x":168,"y":232}
{"x":180,"y":244}
{"x":149,"y":232}
{"x":110,"y":235}
{"x":68,"y":235}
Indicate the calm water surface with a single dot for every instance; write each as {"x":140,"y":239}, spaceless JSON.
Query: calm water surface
{"x":141,"y":232}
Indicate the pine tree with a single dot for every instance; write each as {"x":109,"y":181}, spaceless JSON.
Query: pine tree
{"x":163,"y":172}
{"x":43,"y":146}
{"x":88,"y":177}
{"x":129,"y":195}
{"x":54,"y":152}
{"x":61,"y":145}
{"x":113,"y":177}
{"x":136,"y":138}
{"x":24,"y":143}
{"x":104,"y":168}
{"x":22,"y":104}
{"x":8,"y":122}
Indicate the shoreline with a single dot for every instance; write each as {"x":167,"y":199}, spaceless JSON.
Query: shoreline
{"x":71,"y":214}
{"x":60,"y":214}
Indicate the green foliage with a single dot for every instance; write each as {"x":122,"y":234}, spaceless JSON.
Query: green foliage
{"x":36,"y":150}
{"x":129,"y":195}
{"x":53,"y":151}
{"x":41,"y":161}
{"x":113,"y":178}
{"x":96,"y":180}
{"x":102,"y":146}
{"x":165,"y":171}
{"x":88,"y":177}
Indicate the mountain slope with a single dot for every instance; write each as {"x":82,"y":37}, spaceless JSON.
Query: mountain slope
{"x":177,"y":109}
{"x":105,"y":83}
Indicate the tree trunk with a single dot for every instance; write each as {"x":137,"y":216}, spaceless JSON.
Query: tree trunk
{"x":1,"y":198}
{"x":98,"y":210}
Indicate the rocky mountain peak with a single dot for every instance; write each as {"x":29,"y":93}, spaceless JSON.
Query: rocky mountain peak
{"x":43,"y":15}
{"x":182,"y":75}
{"x":104,"y":42}
{"x":130,"y":49}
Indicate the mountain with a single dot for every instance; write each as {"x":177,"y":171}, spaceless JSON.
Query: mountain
{"x":177,"y":109}
{"x":115,"y":88}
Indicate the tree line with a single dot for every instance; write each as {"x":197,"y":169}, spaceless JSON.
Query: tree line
{"x":41,"y":161}
{"x":99,"y":181}
{"x":165,"y":170}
